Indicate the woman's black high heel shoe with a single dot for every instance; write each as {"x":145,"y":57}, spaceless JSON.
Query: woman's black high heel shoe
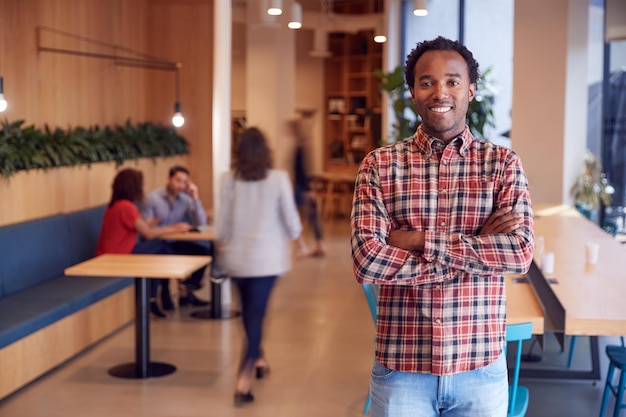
{"x":262,"y":372}
{"x":242,"y":398}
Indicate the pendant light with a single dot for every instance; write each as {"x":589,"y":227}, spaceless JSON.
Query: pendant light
{"x":420,"y":7}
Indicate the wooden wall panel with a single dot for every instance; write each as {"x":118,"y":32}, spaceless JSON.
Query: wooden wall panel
{"x":182,"y":31}
{"x":64,"y":90}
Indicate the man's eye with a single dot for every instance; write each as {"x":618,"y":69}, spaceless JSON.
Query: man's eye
{"x":454,"y":83}
{"x":426,"y":84}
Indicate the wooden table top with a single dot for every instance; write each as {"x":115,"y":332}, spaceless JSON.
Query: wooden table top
{"x":204,"y":233}
{"x":592,"y":295}
{"x":522,"y":305}
{"x":134,"y":265}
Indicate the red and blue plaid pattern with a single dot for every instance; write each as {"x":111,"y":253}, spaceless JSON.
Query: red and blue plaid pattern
{"x":442,"y":311}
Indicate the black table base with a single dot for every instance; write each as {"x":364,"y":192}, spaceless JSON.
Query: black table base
{"x":132,"y":371}
{"x":142,"y":368}
{"x":215,"y":312}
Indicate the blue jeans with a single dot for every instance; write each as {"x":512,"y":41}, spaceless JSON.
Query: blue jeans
{"x":255,"y":293}
{"x":309,"y":206}
{"x":483,"y":392}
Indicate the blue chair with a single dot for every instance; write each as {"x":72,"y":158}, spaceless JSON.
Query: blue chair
{"x":518,"y":395}
{"x":617,"y":358}
{"x":371,"y":294}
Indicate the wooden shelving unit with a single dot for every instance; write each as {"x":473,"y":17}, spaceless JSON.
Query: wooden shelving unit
{"x":353,"y":100}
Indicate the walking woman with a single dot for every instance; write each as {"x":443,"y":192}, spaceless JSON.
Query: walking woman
{"x":256,"y":221}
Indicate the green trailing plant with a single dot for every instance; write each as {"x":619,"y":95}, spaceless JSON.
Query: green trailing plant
{"x":406,"y":119}
{"x":26,"y":147}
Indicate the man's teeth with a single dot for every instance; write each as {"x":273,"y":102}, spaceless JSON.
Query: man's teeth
{"x":441,"y":109}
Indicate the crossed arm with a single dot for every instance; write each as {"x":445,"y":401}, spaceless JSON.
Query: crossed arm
{"x":503,"y":220}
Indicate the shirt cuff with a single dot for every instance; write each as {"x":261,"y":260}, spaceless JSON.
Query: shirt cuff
{"x":434,"y":246}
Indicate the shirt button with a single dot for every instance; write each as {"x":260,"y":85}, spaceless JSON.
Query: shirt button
{"x":443,"y":191}
{"x":438,"y":321}
{"x":444,"y":162}
{"x":437,"y":287}
{"x":442,"y":224}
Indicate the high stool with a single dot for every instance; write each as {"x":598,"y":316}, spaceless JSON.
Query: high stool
{"x":617,"y":356}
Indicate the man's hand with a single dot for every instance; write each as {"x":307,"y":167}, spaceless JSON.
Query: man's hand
{"x":407,"y":239}
{"x":192,"y":190}
{"x":502,"y":220}
{"x":181,"y":227}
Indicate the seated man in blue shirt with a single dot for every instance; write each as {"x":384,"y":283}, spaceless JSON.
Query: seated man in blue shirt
{"x":179,"y":201}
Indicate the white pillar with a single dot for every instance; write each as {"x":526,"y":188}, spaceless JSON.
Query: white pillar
{"x":549,"y":114}
{"x":270,"y":79}
{"x":221,"y":93}
{"x":221,"y":140}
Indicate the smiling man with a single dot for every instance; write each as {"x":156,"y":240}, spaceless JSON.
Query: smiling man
{"x":437,"y":221}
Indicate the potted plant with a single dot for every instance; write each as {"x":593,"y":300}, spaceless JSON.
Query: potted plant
{"x":406,"y":120}
{"x":591,"y":189}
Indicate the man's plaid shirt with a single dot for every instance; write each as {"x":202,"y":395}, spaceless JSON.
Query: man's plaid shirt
{"x":442,"y":311}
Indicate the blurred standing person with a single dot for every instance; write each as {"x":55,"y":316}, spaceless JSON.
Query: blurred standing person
{"x":255,"y":223}
{"x":305,"y":197}
{"x":122,"y":224}
{"x":179,"y":200}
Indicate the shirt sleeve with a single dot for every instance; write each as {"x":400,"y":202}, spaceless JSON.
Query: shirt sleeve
{"x":196,"y":213}
{"x":446,"y":255}
{"x":129,"y":215}
{"x":373,"y":260}
{"x":493,"y":254}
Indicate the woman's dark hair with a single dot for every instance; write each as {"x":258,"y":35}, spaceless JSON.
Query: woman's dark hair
{"x":253,"y":157}
{"x":127,"y":185}
{"x":439,"y":44}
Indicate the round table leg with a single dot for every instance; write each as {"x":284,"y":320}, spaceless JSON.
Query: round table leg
{"x":215,"y":312}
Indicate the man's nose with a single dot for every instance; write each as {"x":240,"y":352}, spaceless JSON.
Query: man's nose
{"x":441,"y":90}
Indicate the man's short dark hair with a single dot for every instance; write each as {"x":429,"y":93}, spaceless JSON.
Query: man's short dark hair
{"x":439,"y":44}
{"x":178,"y":168}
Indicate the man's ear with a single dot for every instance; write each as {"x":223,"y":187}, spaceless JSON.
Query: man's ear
{"x":472,"y":91}
{"x":412,"y":91}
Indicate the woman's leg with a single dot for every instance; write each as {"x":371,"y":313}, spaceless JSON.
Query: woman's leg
{"x":254,"y":293}
{"x":316,"y":224}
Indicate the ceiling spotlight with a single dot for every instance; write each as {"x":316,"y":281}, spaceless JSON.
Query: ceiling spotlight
{"x":295,"y":21}
{"x":275,"y":8}
{"x":420,"y":7}
{"x":379,"y":33}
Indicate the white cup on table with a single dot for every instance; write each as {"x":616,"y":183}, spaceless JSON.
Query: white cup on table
{"x":547,"y":263}
{"x":592,"y":252}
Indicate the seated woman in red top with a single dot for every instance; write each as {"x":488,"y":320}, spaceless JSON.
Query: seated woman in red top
{"x":122,"y":224}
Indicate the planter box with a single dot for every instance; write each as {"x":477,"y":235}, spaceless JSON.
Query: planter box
{"x":38,"y":193}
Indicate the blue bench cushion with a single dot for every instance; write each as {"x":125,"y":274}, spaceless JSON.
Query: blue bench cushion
{"x":33,"y":252}
{"x":30,"y":310}
{"x":84,"y":229}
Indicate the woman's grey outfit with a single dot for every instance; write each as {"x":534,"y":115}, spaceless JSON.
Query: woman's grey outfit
{"x":255,"y":224}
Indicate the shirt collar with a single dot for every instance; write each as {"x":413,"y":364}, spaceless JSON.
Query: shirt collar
{"x":165,"y":196}
{"x":424,"y":142}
